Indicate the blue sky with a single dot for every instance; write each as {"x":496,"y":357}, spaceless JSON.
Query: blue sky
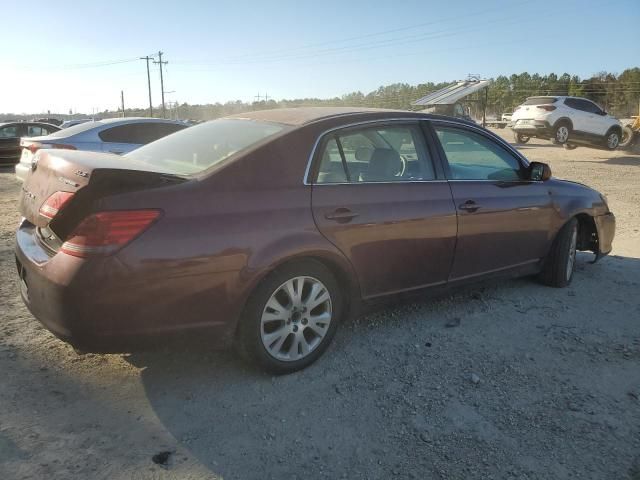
{"x":61,"y":55}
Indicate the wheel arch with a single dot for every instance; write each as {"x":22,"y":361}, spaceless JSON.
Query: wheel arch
{"x":267,"y":263}
{"x":615,"y":128}
{"x":563,"y":120}
{"x":587,"y":232}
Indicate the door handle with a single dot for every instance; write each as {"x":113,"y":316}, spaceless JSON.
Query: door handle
{"x":469,"y":206}
{"x":341,"y":215}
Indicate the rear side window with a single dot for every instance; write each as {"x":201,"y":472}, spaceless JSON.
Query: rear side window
{"x":472,"y":156}
{"x":540,"y":100}
{"x":36,"y":131}
{"x":138,"y":133}
{"x":203,"y":146}
{"x":379,"y":154}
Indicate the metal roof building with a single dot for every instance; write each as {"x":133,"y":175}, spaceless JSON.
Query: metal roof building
{"x":453,"y":93}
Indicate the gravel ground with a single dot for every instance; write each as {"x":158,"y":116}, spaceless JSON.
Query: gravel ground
{"x":502,"y":380}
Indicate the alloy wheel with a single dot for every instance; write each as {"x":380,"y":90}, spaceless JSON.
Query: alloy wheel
{"x":562,"y":134}
{"x":296,"y":318}
{"x":613,"y":140}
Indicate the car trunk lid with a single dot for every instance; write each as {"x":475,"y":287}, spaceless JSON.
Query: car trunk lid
{"x":88,"y":176}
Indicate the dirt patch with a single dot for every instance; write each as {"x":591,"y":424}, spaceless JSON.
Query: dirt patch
{"x":500,"y":380}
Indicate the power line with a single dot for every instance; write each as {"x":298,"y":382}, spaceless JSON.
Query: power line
{"x":456,"y":18}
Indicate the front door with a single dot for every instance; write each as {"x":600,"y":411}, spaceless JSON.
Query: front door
{"x":504,"y":219}
{"x":377,"y":197}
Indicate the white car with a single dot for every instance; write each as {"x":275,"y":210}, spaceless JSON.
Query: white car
{"x":566,"y":120}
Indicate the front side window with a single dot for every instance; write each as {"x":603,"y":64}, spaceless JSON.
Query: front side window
{"x":472,"y":156}
{"x":375,"y":154}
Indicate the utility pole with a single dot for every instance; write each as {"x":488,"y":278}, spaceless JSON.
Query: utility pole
{"x":122,"y":101}
{"x":266,"y":97}
{"x":147,"y":58}
{"x":160,"y":62}
{"x":258,"y":96}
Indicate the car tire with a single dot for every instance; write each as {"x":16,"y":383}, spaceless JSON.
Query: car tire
{"x":612,"y":139}
{"x":268,"y":337}
{"x":521,"y":138}
{"x":559,"y":265}
{"x":627,"y":139}
{"x":561,"y":133}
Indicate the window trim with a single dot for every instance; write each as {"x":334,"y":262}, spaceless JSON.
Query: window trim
{"x":524,"y":163}
{"x":415,"y":122}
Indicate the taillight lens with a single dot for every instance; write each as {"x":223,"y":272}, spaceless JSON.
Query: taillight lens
{"x":33,"y":147}
{"x":103,"y":233}
{"x":55,"y":203}
{"x":548,"y":108}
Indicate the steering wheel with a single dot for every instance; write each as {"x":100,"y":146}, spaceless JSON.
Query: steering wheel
{"x":403,"y":161}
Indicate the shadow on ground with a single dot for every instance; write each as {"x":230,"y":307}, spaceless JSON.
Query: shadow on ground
{"x":392,"y":395}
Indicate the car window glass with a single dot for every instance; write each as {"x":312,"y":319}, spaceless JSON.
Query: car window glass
{"x":35,"y":131}
{"x":9,"y":132}
{"x":591,"y":107}
{"x":381,"y":154}
{"x":138,"y":133}
{"x":475,"y":157}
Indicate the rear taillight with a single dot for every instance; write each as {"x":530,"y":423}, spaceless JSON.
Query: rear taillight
{"x":54,"y":204}
{"x":33,"y":147}
{"x":548,"y":108}
{"x":103,"y":233}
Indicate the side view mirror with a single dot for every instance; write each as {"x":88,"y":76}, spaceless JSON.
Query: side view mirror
{"x":539,"y":172}
{"x":603,"y":113}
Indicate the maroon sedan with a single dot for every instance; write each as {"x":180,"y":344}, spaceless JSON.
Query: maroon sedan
{"x":265,"y":229}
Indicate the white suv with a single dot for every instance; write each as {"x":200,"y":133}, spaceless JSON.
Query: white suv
{"x":566,"y":120}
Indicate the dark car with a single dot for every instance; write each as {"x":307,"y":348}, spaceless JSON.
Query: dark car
{"x":265,"y":229}
{"x":10,"y":134}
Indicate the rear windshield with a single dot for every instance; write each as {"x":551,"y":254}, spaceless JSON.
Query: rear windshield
{"x":81,"y":127}
{"x":198,"y":148}
{"x":540,"y":100}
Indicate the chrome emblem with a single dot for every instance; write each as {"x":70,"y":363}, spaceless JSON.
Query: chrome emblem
{"x":34,"y":163}
{"x":80,"y":173}
{"x":66,"y":181}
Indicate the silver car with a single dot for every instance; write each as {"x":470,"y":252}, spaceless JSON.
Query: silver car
{"x":114,"y":135}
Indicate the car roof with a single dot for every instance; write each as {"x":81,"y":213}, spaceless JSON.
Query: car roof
{"x":125,"y":120}
{"x":4,"y":124}
{"x":304,"y":115}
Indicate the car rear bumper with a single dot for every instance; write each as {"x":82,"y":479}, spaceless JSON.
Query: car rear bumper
{"x":533,"y":128}
{"x":100,"y":306}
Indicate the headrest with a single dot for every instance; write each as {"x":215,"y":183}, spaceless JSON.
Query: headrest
{"x":385,"y":164}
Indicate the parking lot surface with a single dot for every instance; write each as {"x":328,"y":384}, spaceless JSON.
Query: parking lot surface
{"x":507,"y":379}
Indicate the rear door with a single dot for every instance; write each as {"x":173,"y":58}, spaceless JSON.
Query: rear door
{"x":378,"y":197}
{"x":504,"y":219}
